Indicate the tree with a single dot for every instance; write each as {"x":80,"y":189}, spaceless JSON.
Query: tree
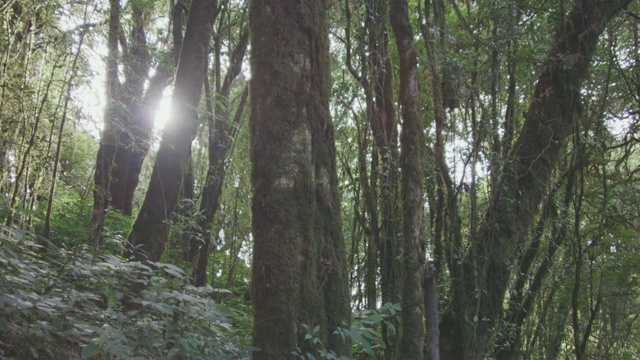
{"x":222,"y":133}
{"x":525,"y":177}
{"x":148,"y":236}
{"x":299,"y":275}
{"x":131,"y":104}
{"x":412,"y":165}
{"x":504,"y":219}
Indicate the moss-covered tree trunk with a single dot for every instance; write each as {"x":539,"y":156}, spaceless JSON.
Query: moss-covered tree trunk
{"x":526,"y":175}
{"x":412,"y":168}
{"x":148,"y":236}
{"x":384,"y":126}
{"x":299,"y":275}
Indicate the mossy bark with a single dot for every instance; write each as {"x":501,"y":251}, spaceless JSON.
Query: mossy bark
{"x":384,"y":178}
{"x":526,"y":175}
{"x":148,"y":236}
{"x":299,"y":275}
{"x":412,"y":167}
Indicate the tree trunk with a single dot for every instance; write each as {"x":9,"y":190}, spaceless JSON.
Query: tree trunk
{"x":384,"y":186}
{"x":56,"y":159}
{"x":128,"y":118}
{"x":431,"y":311}
{"x":513,"y":206}
{"x":215,"y":180}
{"x":411,"y":165}
{"x":222,"y":133}
{"x":384,"y":127}
{"x":148,"y":236}
{"x":299,"y":275}
{"x":447,"y":230}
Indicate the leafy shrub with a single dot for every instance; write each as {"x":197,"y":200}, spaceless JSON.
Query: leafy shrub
{"x":70,"y":222}
{"x":363,"y":334}
{"x":57,"y":304}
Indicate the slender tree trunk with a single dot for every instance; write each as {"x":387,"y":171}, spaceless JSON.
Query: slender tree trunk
{"x":212,"y":192}
{"x":448,"y":236}
{"x":412,"y":166}
{"x":101,"y":175}
{"x":299,"y":275}
{"x":42,"y":95}
{"x":222,"y":133}
{"x":431,"y":311}
{"x":56,"y":160}
{"x":525,"y":178}
{"x":384,"y":170}
{"x":149,"y":233}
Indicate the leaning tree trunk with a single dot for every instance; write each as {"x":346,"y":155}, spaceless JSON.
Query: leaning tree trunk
{"x":412,"y":167}
{"x":299,"y":275}
{"x":149,"y":233}
{"x":513,"y":206}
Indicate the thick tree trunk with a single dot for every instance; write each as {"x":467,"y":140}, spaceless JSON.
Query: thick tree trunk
{"x":148,"y":236}
{"x":512,"y":208}
{"x":412,"y":166}
{"x":299,"y":275}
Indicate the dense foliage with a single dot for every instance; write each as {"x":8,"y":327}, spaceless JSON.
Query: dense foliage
{"x":67,"y":303}
{"x":526,"y":184}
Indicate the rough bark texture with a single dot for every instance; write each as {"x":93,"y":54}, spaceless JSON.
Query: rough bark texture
{"x":411,"y":165}
{"x":148,"y":235}
{"x":299,"y":275}
{"x":525,"y":177}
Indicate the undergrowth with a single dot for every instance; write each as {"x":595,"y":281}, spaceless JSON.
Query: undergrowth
{"x":58,"y":303}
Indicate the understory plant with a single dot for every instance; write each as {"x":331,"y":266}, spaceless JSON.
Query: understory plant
{"x":68,"y":304}
{"x":363,"y":334}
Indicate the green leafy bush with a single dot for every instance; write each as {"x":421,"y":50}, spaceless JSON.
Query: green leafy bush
{"x":60,"y":304}
{"x":363,"y":333}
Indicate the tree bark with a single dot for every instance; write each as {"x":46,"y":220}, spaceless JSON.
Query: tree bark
{"x":299,"y":276}
{"x":525,"y":177}
{"x":149,"y":233}
{"x":412,"y":166}
{"x":431,"y":311}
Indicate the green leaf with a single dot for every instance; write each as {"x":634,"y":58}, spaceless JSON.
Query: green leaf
{"x":173,"y":271}
{"x":90,"y":351}
{"x":172,"y":353}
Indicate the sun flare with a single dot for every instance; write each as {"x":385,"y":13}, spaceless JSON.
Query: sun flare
{"x":163,"y":112}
